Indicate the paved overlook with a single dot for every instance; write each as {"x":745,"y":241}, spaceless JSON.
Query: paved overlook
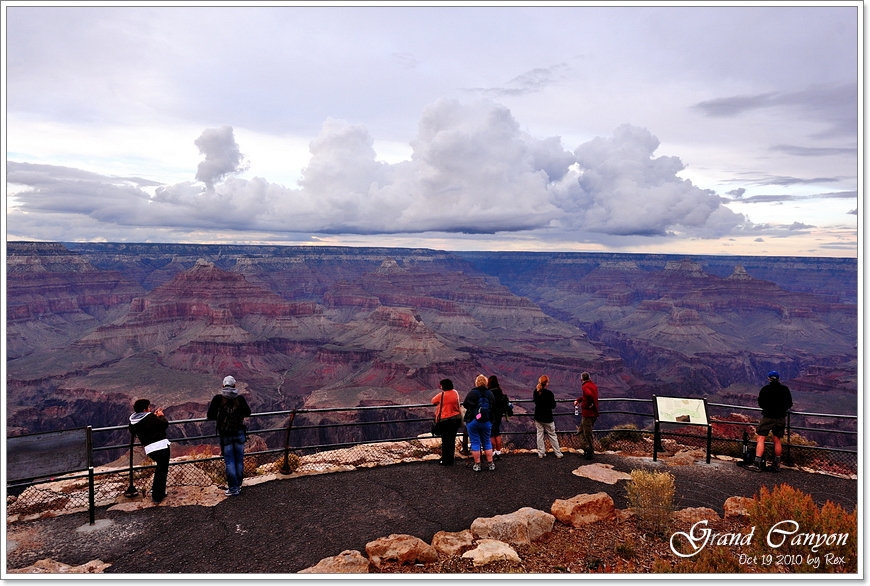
{"x":284,"y":526}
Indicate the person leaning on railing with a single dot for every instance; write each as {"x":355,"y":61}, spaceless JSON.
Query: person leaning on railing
{"x":150,"y":429}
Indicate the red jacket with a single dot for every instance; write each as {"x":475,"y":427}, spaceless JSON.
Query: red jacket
{"x":589,"y":400}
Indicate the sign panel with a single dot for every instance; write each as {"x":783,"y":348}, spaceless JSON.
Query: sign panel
{"x":679,"y":410}
{"x":46,"y":454}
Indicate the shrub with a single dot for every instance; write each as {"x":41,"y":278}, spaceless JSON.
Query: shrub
{"x":783,"y":503}
{"x":651,"y":495}
{"x":627,"y":432}
{"x":293,"y":461}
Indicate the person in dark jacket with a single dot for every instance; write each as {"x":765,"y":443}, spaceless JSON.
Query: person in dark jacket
{"x":479,"y":430}
{"x":775,"y":401}
{"x":499,"y":410}
{"x":150,"y":429}
{"x":588,"y":404}
{"x":545,"y":402}
{"x":228,"y":408}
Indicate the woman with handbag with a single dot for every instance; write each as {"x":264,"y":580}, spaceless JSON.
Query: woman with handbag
{"x":448,"y":418}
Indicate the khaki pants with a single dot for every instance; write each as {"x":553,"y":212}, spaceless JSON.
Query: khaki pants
{"x":586,"y":424}
{"x":548,"y":429}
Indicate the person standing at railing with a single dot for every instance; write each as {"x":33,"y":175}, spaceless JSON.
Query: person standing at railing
{"x":150,"y":428}
{"x":478,"y":421}
{"x":500,"y":408}
{"x":545,"y":402}
{"x":448,"y":418}
{"x":588,"y":404}
{"x":775,"y":401}
{"x":229,"y":409}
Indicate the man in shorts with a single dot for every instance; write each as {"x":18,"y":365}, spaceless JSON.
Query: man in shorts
{"x":775,"y":401}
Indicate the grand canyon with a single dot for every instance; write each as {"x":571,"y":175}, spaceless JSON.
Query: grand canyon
{"x":93,"y":326}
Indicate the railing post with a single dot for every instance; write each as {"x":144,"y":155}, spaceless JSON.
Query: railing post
{"x":285,"y":468}
{"x":788,"y":437}
{"x":92,"y":507}
{"x":656,"y":439}
{"x":131,"y":488}
{"x":709,"y":441}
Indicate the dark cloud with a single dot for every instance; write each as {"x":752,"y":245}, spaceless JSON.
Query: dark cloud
{"x":737,"y":193}
{"x":833,"y":104}
{"x":799,"y":151}
{"x":788,"y":197}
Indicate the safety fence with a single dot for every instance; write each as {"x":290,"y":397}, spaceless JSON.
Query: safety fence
{"x":81,"y":469}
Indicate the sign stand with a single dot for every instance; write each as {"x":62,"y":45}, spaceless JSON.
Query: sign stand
{"x":680,"y":411}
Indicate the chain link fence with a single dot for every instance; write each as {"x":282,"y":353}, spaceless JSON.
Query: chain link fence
{"x":323,"y":440}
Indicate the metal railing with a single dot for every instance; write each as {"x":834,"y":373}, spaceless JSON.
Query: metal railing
{"x":295,"y":440}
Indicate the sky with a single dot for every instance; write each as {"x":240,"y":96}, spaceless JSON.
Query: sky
{"x":709,"y":129}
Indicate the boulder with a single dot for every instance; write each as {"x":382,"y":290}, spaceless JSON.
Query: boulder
{"x":491,"y":550}
{"x":49,"y":566}
{"x":694,"y":514}
{"x":583,"y":509}
{"x":522,"y":526}
{"x":350,"y":561}
{"x":450,"y":544}
{"x":737,"y":507}
{"x":405,"y":549}
{"x":601,"y":472}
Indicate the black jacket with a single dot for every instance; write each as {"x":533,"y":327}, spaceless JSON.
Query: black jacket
{"x":150,"y":429}
{"x":473,"y":398}
{"x":774,"y":400}
{"x":545,"y":402}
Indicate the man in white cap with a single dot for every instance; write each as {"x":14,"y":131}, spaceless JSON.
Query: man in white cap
{"x":229,"y":409}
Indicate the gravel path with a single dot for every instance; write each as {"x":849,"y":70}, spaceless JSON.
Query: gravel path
{"x":284,"y":526}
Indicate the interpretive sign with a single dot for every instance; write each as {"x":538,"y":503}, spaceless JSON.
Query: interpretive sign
{"x":679,"y":410}
{"x":43,"y":455}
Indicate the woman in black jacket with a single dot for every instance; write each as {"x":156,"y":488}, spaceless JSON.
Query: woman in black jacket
{"x":150,"y":427}
{"x":545,"y":402}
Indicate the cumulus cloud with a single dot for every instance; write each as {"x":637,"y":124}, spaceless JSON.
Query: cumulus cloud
{"x":472,"y":170}
{"x":222,"y":155}
{"x":620,"y":188}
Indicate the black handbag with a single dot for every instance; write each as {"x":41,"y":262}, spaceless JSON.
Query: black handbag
{"x":436,"y":430}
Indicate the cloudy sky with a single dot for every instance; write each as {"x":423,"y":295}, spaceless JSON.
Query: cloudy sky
{"x":708,"y":129}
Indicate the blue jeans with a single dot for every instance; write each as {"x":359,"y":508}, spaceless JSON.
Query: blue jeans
{"x":479,"y":434}
{"x":233,"y":448}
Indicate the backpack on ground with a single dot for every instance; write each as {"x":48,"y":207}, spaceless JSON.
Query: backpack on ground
{"x":483,"y":408}
{"x":228,"y":420}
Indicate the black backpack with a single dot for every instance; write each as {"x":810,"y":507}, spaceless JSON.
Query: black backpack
{"x":228,"y":420}
{"x":483,"y":407}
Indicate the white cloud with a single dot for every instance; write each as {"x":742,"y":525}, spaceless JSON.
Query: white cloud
{"x":472,"y":170}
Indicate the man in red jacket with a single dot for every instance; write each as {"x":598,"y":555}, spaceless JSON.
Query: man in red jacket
{"x":588,"y":403}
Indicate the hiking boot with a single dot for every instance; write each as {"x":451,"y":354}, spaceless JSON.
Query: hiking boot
{"x":774,"y":467}
{"x":476,"y":467}
{"x":588,"y":454}
{"x":755,"y":466}
{"x":492,"y":466}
